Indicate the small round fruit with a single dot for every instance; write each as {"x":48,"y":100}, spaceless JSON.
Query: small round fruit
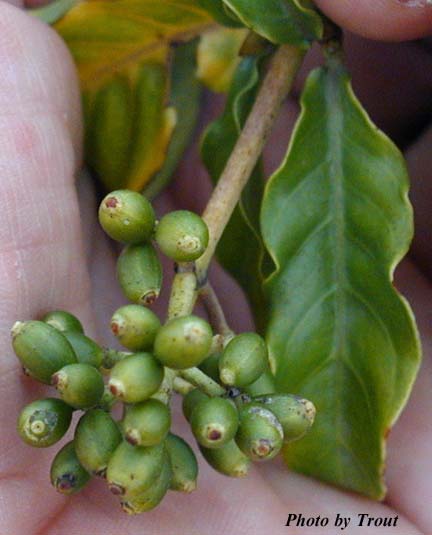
{"x":136,"y":378}
{"x":86,"y":350}
{"x":265,"y":384}
{"x":139,"y":273}
{"x":44,"y":422}
{"x":127,"y":216}
{"x":228,"y":460}
{"x":146,"y":423}
{"x":183,"y":342}
{"x":80,"y":385}
{"x":63,"y":321}
{"x":191,"y":400}
{"x":260,"y":435}
{"x":182,"y":235}
{"x":295,"y":414}
{"x":243,"y":360}
{"x":133,"y":469}
{"x":96,"y":437}
{"x":214,"y":422}
{"x":41,"y":348}
{"x":135,"y":327}
{"x":66,"y":474}
{"x":151,"y":497}
{"x":184,"y":464}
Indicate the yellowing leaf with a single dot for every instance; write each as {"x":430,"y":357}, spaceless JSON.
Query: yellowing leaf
{"x":218,"y":57}
{"x":122,"y":49}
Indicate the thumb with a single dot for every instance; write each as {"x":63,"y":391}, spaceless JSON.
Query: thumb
{"x":385,"y":20}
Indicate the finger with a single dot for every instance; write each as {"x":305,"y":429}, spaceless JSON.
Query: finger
{"x":42,"y":265}
{"x":409,"y":463}
{"x":385,"y":20}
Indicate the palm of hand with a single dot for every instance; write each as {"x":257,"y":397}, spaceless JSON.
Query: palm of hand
{"x":43,"y":264}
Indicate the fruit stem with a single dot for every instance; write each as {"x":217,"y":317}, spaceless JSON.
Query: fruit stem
{"x":183,"y":292}
{"x":202,"y":381}
{"x":214,"y":310}
{"x":181,"y":386}
{"x":276,"y":85}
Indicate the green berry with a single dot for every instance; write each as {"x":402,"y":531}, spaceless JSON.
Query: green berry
{"x":182,"y":236}
{"x":260,"y":434}
{"x":139,"y":273}
{"x":96,"y":437}
{"x":66,"y":474}
{"x":80,"y":385}
{"x":110,"y":357}
{"x":63,"y":321}
{"x":295,"y":414}
{"x":86,"y":350}
{"x":243,"y":360}
{"x":136,"y":378}
{"x":133,"y":469}
{"x":191,"y":400}
{"x":150,"y":498}
{"x":183,"y":342}
{"x":214,"y":422}
{"x":265,"y":384}
{"x":183,"y":463}
{"x":146,"y":423}
{"x":41,"y":348}
{"x":44,"y":422}
{"x":210,"y":366}
{"x":107,"y":401}
{"x":127,"y":216}
{"x":228,"y":460}
{"x":135,"y":327}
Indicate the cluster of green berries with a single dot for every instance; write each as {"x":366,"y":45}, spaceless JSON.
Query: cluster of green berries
{"x":138,"y":455}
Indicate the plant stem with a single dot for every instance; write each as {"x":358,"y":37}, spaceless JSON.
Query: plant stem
{"x":275,"y":87}
{"x":214,"y":310}
{"x":183,"y":293}
{"x":202,"y":381}
{"x":181,"y":386}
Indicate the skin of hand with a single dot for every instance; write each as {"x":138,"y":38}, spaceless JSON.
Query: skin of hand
{"x":54,"y":255}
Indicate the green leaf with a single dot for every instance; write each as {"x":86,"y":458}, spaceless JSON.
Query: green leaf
{"x":336,"y":220}
{"x":240,"y":251}
{"x":218,"y":57}
{"x":220,"y":13}
{"x":122,"y":50}
{"x":185,"y":96}
{"x":280,"y":21}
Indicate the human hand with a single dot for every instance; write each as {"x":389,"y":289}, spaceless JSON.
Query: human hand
{"x":54,"y":255}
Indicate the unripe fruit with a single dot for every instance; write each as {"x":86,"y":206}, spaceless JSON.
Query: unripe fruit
{"x":243,"y":360}
{"x":110,"y":357}
{"x":42,"y":349}
{"x":133,"y":469}
{"x":127,"y":216}
{"x":96,"y":437}
{"x":86,"y":350}
{"x":150,"y":498}
{"x":107,"y":401}
{"x":80,"y":385}
{"x":182,"y":236}
{"x":139,"y":273}
{"x":295,"y":414}
{"x":63,"y":321}
{"x":135,"y":327}
{"x":191,"y":400}
{"x":228,"y":460}
{"x":146,"y":423}
{"x":183,"y":463}
{"x":183,"y":342}
{"x":214,"y":422}
{"x":66,"y":474}
{"x":210,"y":366}
{"x":265,"y":384}
{"x":136,"y":378}
{"x":260,"y":434}
{"x":44,"y":422}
